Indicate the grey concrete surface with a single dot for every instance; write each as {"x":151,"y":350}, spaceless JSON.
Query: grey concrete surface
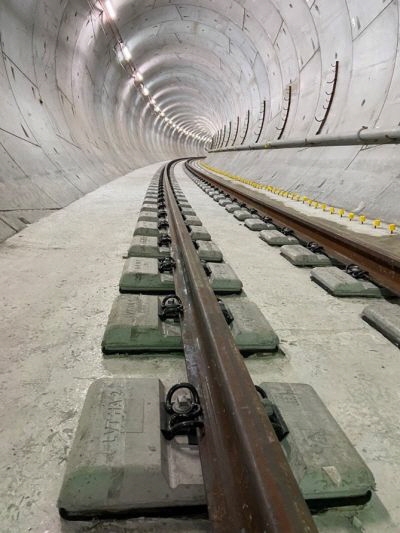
{"x":59,"y":278}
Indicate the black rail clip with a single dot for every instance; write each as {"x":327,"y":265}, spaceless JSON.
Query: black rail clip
{"x":356,"y":272}
{"x":163,"y":224}
{"x":170,"y":307}
{"x":164,"y":240}
{"x":253,"y":211}
{"x":274,"y":415}
{"x":267,"y":220}
{"x":161,"y":205}
{"x":183,"y":414}
{"x":287,"y":231}
{"x":225,"y":311}
{"x":162,"y":213}
{"x":315,"y":248}
{"x":166,"y":264}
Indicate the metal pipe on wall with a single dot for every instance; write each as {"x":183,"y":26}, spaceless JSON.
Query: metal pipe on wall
{"x":364,"y":136}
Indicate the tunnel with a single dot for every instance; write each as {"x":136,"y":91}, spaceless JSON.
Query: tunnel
{"x":289,"y":108}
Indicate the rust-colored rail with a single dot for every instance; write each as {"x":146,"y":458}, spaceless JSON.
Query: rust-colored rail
{"x":383,"y":267}
{"x":249,"y":484}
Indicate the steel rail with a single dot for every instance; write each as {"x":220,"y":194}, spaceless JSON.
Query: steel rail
{"x":248,"y":482}
{"x":383,"y":267}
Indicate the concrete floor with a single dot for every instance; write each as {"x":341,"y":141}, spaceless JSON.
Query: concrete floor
{"x":59,"y":277}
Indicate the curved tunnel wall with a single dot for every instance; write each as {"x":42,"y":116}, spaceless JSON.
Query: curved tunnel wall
{"x":72,"y":117}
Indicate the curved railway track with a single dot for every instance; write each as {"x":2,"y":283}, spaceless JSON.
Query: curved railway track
{"x":248,"y":482}
{"x":383,"y":267}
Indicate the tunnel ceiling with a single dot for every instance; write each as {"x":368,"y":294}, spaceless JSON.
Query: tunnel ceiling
{"x":75,"y":111}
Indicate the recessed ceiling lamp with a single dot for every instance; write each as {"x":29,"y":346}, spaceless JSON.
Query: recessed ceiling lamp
{"x":138,"y":76}
{"x":125,"y":52}
{"x":110,"y":10}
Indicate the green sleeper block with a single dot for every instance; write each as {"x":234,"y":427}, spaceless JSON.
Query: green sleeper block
{"x":188,"y":211}
{"x":135,"y":327}
{"x":323,"y":460}
{"x":218,"y":197}
{"x":199,"y":233}
{"x":223,"y":278}
{"x":141,"y":274}
{"x":149,"y":229}
{"x":224,"y":202}
{"x":120,"y":464}
{"x":192,"y":221}
{"x":256,"y":224}
{"x":208,"y":251}
{"x":148,"y":216}
{"x":232,"y":207}
{"x":243,"y":214}
{"x":142,"y":246}
{"x":338,"y":283}
{"x":276,"y":238}
{"x":385,"y":318}
{"x":150,"y":206}
{"x":251,"y":330}
{"x":300,"y":256}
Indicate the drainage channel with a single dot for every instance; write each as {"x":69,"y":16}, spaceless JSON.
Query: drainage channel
{"x":258,"y":458}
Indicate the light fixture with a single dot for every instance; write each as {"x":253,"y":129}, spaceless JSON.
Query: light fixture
{"x":157,"y":109}
{"x":110,"y":10}
{"x":138,"y":76}
{"x":152,"y":101}
{"x":125,"y":52}
{"x":145,"y":91}
{"x":162,"y":114}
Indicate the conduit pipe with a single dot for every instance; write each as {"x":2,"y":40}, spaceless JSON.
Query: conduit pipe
{"x":364,"y":136}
